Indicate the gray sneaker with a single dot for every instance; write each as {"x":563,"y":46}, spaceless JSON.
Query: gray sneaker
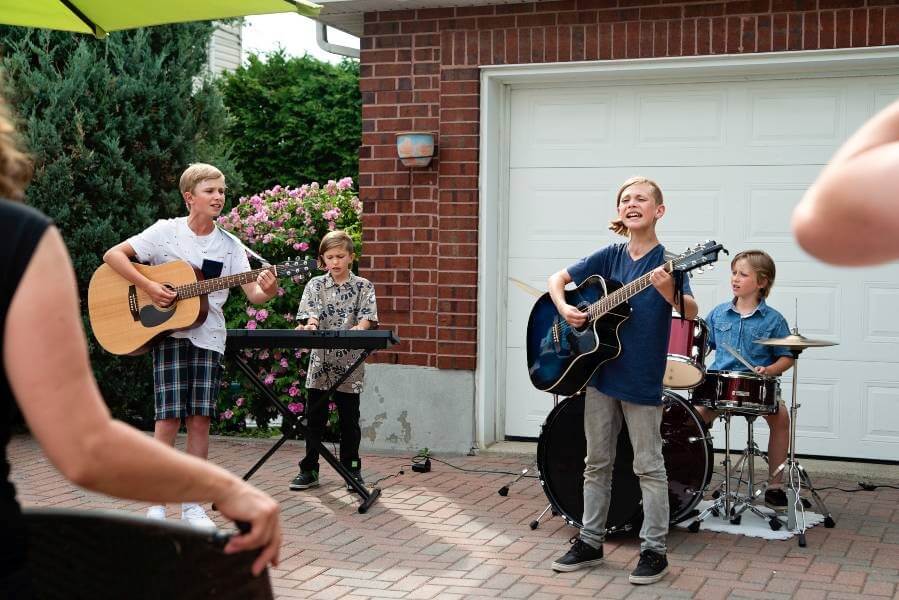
{"x":304,"y":480}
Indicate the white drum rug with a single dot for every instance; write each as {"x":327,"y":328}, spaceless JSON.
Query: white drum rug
{"x":751,"y":525}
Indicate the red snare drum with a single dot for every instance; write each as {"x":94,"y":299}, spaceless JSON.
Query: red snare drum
{"x":685,"y":368}
{"x":741,"y":393}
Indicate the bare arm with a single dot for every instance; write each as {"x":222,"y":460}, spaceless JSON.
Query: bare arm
{"x":777,"y":367}
{"x":556,"y":286}
{"x":663,"y":282}
{"x":850,"y":214}
{"x":263,"y":289}
{"x":119,"y":259}
{"x":46,"y":361}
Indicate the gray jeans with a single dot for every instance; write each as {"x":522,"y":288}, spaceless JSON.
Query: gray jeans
{"x":602,"y":423}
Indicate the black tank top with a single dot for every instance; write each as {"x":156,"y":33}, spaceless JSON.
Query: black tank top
{"x":21,"y":228}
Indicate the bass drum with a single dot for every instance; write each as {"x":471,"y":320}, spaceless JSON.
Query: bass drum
{"x":562,"y":447}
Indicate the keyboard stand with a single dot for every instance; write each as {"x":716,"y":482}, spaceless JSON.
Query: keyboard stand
{"x":290,"y":425}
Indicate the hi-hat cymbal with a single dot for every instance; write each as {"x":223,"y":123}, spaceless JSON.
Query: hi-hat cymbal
{"x":794,"y":341}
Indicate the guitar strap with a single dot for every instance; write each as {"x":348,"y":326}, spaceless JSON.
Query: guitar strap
{"x":678,"y":284}
{"x":248,"y":250}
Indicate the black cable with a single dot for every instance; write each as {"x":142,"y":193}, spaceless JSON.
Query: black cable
{"x":863,"y":486}
{"x":421,"y":459}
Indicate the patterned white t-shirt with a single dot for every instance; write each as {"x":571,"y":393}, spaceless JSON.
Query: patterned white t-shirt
{"x":216,"y":254}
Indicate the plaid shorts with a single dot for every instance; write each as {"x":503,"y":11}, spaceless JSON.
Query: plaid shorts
{"x":185,"y":379}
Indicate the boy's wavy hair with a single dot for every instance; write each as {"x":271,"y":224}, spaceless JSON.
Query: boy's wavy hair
{"x":333,"y":239}
{"x":616,"y":224}
{"x":763,"y":265}
{"x":16,"y":167}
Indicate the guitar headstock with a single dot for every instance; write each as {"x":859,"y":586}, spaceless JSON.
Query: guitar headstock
{"x":297,"y":267}
{"x":702,"y":254}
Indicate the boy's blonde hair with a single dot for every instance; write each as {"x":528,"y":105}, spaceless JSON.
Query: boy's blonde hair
{"x":617,"y":225}
{"x":762,"y":264}
{"x":15,"y":166}
{"x":336,"y":238}
{"x":196,"y":173}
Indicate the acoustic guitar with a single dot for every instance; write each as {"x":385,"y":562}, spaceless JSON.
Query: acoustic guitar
{"x":562,"y":358}
{"x":126,"y":321}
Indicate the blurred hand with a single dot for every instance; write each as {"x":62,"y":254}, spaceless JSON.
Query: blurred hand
{"x":250,"y":505}
{"x":573,"y":315}
{"x":268,"y":282}
{"x":161,"y":295}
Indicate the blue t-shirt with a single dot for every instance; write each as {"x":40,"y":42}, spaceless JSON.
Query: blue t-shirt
{"x":727,"y":326}
{"x":635,"y":375}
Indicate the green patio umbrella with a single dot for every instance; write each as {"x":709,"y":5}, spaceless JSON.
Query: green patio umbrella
{"x":101,"y":16}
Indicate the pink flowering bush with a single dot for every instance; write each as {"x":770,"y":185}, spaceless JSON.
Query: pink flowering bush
{"x":279,"y":224}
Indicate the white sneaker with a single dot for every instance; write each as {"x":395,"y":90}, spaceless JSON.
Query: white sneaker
{"x":196,"y":516}
{"x":156,"y":512}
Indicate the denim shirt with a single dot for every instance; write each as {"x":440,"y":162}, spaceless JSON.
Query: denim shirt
{"x":727,"y":326}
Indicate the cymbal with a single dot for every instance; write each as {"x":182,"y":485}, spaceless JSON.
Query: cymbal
{"x":794,"y":341}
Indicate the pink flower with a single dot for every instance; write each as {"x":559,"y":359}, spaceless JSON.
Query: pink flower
{"x":281,"y":292}
{"x":251,"y":311}
{"x":293,"y":391}
{"x":345,"y":183}
{"x":332,"y":407}
{"x":263,"y":354}
{"x":228,"y":414}
{"x":284,"y":362}
{"x":295,"y":407}
{"x":239,"y":402}
{"x":251,"y":324}
{"x":261,"y":315}
{"x":269,"y":379}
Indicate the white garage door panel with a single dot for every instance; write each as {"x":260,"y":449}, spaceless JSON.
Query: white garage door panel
{"x":733,"y":159}
{"x":737,"y":123}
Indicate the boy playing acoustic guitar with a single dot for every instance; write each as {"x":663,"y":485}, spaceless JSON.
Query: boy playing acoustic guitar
{"x":187,"y":364}
{"x":628,"y":387}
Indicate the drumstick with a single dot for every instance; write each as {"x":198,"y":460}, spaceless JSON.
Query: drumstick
{"x":737,"y":355}
{"x":527,"y":288}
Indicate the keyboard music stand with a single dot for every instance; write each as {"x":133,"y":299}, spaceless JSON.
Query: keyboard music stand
{"x":239,"y":339}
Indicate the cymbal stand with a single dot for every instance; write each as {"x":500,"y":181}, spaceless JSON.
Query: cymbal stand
{"x":796,"y":475}
{"x":504,"y":491}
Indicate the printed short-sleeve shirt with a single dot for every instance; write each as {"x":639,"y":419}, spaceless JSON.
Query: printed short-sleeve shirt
{"x":337,"y":306}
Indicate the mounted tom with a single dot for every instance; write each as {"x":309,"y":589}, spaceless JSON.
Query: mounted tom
{"x":562,"y":358}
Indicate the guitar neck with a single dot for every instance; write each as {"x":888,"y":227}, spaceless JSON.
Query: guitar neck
{"x":622,"y":294}
{"x":207,"y":286}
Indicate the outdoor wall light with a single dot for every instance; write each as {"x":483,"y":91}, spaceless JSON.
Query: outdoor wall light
{"x":415,"y":148}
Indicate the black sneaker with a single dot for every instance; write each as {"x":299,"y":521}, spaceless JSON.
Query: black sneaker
{"x":305,"y":480}
{"x":776,"y":498}
{"x":651,"y":568}
{"x":580,"y":556}
{"x":357,"y":475}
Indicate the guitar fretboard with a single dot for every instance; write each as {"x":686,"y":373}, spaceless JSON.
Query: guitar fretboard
{"x":207,"y":286}
{"x":622,"y":294}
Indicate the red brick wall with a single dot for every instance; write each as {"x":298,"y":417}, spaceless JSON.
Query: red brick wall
{"x":419,"y":71}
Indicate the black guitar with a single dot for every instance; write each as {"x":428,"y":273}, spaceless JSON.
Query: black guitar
{"x":562,"y":358}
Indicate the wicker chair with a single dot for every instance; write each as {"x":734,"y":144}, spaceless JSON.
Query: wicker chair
{"x":94,"y":555}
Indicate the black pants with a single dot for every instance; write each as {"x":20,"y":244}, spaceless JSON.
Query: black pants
{"x":350,"y":433}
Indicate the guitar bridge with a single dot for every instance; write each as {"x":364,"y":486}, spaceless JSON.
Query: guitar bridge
{"x":132,"y":303}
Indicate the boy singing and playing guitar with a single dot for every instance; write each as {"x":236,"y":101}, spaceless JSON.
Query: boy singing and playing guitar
{"x":628,"y":386}
{"x":187,"y":364}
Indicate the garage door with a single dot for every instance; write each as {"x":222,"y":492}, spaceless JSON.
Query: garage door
{"x":733,"y":159}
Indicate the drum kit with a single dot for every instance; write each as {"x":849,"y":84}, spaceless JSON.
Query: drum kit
{"x":687,"y":444}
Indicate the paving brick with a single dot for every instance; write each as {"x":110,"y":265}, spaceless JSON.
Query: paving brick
{"x":450,"y":535}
